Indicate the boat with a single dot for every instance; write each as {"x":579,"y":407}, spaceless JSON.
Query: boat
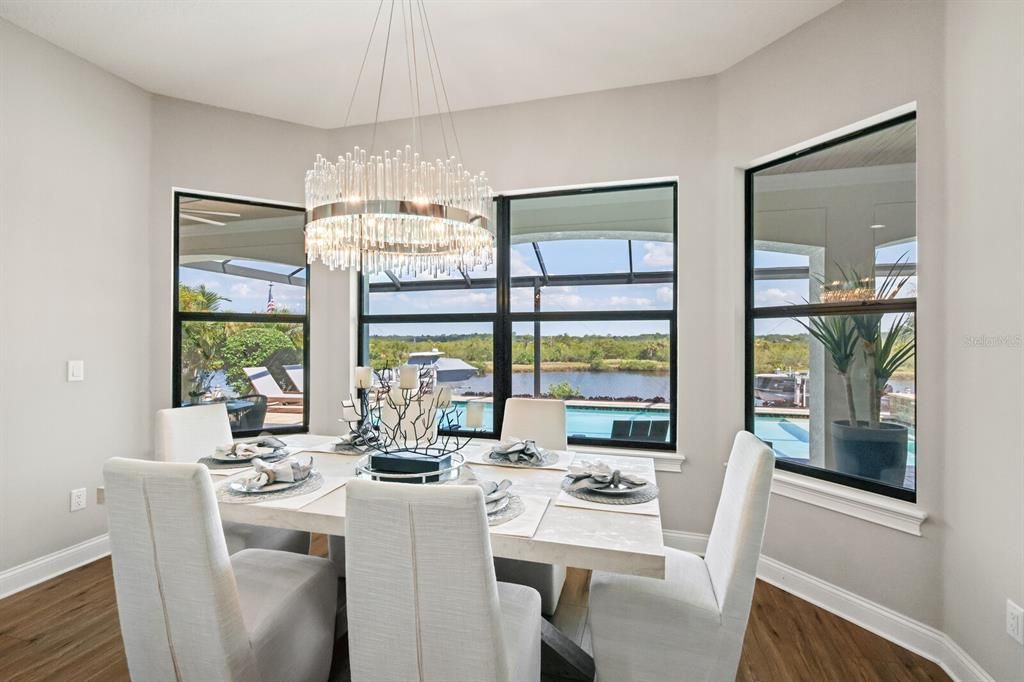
{"x":780,"y":390}
{"x":449,"y":370}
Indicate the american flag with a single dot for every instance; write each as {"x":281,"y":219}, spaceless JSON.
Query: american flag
{"x":271,"y":306}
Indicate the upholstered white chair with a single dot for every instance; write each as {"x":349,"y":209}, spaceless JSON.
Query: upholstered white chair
{"x":185,"y":434}
{"x":542,"y":421}
{"x":690,"y":626}
{"x":423,"y":603}
{"x":189,"y":611}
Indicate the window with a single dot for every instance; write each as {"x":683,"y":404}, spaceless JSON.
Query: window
{"x":831,"y":309}
{"x":579,"y":305}
{"x":241,"y":330}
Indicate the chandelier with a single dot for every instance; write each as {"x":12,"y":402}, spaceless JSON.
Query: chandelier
{"x":400,"y":212}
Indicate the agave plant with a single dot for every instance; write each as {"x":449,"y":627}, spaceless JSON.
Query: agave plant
{"x":883,"y":352}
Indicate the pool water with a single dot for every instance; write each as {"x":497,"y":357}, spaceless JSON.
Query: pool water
{"x":790,"y":437}
{"x":587,"y":422}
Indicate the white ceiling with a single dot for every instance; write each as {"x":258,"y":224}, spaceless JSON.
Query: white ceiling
{"x":297,"y":60}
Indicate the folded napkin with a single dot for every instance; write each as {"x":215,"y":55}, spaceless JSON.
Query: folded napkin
{"x":599,"y":476}
{"x":517,"y":452}
{"x":250,"y":449}
{"x":287,"y":470}
{"x":494,"y":492}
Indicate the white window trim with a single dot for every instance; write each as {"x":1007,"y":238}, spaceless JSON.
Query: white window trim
{"x":885,"y":511}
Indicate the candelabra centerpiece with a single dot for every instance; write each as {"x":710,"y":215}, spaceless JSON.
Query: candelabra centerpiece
{"x":408,"y":424}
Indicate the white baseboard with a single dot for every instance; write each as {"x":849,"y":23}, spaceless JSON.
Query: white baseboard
{"x":908,"y":633}
{"x":50,"y":566}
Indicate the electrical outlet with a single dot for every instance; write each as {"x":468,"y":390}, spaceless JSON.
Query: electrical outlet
{"x":78,"y":499}
{"x":1015,"y":621}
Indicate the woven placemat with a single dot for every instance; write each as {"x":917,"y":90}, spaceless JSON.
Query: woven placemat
{"x":212,"y":463}
{"x":312,"y":483}
{"x":643,"y":495}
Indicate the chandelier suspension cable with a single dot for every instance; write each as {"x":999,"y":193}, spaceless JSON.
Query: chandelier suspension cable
{"x":383,"y":69}
{"x":366,"y":53}
{"x":415,"y":75}
{"x":408,"y":71}
{"x":440,"y":76}
{"x":433,"y":83}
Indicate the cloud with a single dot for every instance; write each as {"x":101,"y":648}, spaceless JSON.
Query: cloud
{"x":241,"y":289}
{"x":520,"y":266}
{"x":658,"y":254}
{"x":629,"y":302}
{"x":664,"y":294}
{"x":775,"y":296}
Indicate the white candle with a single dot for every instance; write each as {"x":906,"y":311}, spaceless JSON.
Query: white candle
{"x":409,"y":377}
{"x":474,"y":415}
{"x":444,"y":397}
{"x":396,"y":395}
{"x":349,"y":413}
{"x":364,"y":377}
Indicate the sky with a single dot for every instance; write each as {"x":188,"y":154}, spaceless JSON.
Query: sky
{"x":567,"y":257}
{"x":247,"y":295}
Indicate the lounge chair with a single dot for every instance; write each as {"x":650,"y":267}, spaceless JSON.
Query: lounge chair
{"x":297,"y":375}
{"x":277,"y":400}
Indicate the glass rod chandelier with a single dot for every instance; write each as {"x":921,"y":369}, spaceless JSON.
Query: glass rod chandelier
{"x":399,"y":212}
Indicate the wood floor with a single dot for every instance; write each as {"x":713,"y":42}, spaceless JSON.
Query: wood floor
{"x":67,"y":629}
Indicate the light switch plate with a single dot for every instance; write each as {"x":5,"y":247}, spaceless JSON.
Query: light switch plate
{"x":76,"y":370}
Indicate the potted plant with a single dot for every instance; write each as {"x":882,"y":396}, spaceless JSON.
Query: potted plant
{"x":867,"y":447}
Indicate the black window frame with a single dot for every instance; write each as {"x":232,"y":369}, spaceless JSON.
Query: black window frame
{"x":179,"y":317}
{"x":502,"y":318}
{"x":752,"y":313}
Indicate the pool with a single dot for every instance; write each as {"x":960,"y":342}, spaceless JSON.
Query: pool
{"x":585,"y":421}
{"x":790,"y":437}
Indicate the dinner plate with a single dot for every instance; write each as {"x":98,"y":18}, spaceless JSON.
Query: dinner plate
{"x":230,"y":457}
{"x":239,"y":486}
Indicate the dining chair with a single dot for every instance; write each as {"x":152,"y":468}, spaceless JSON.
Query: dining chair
{"x":542,"y":421}
{"x":690,"y":626}
{"x":184,"y":434}
{"x":191,"y":612}
{"x":423,"y":602}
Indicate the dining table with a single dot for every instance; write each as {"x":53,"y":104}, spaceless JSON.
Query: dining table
{"x":608,"y":537}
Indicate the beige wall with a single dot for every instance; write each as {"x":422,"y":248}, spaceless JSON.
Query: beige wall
{"x":855,"y":61}
{"x":74,"y":159}
{"x":983,"y":510}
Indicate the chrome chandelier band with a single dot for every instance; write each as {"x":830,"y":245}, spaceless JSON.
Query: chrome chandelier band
{"x":396,"y":207}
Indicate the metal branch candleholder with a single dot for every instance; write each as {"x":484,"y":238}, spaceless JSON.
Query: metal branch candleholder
{"x":416,"y":421}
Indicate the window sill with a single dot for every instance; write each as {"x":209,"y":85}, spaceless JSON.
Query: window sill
{"x":896,"y":514}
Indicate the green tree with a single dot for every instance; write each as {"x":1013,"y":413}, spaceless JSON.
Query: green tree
{"x":563,"y":390}
{"x":262,"y":346}
{"x":201,"y":342}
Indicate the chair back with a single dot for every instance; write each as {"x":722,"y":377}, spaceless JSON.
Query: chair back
{"x":422,"y":599}
{"x":184,"y":434}
{"x":263,"y":382}
{"x":734,"y":546}
{"x":536,"y":419}
{"x":297,"y":375}
{"x":177,"y":600}
{"x":252,"y":418}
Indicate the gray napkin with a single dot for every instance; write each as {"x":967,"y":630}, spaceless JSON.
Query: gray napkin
{"x":599,"y":476}
{"x":517,"y":452}
{"x":288,"y":470}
